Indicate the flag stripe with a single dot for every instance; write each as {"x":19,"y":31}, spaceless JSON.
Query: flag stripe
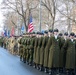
{"x":30,"y":29}
{"x":30,"y":26}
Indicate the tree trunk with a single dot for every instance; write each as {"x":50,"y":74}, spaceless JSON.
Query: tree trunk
{"x":53,"y":23}
{"x":26,"y":27}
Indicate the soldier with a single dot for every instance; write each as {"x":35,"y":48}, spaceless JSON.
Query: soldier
{"x":70,"y":48}
{"x":54,"y":53}
{"x":46,"y":52}
{"x":28,"y":49}
{"x":32,"y":42}
{"x":15,"y":46}
{"x":21,"y":49}
{"x":44,"y":43}
{"x":24,"y":47}
{"x":4,"y":42}
{"x":35,"y":50}
{"x":75,"y":55}
{"x":25,"y":50}
{"x":63,"y":53}
{"x":18,"y":39}
{"x":40,"y":38}
{"x":9,"y":43}
{"x":1,"y":41}
{"x":12,"y":43}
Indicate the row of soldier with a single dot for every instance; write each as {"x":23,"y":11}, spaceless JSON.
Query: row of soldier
{"x":10,"y":43}
{"x":50,"y":51}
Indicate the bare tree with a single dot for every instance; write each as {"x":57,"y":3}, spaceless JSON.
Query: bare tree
{"x":50,"y":5}
{"x":62,"y":8}
{"x":21,"y":7}
{"x":67,"y":12}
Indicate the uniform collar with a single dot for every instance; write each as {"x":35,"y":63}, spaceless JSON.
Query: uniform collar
{"x":55,"y":36}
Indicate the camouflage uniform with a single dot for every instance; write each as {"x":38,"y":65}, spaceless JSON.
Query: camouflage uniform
{"x":32,"y":42}
{"x":24,"y":50}
{"x":28,"y":50}
{"x":21,"y":49}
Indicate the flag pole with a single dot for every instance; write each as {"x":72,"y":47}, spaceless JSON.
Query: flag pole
{"x":40,"y":16}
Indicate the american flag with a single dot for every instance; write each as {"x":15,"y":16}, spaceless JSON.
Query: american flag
{"x":30,"y":26}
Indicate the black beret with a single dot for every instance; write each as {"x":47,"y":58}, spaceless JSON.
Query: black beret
{"x":72,"y":34}
{"x":41,"y":33}
{"x":33,"y":32}
{"x":56,"y":30}
{"x":60,"y":34}
{"x":24,"y":34}
{"x":37,"y":33}
{"x":50,"y":30}
{"x":66,"y":33}
{"x":45,"y":32}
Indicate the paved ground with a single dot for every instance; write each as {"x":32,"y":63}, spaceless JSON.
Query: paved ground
{"x":11,"y":65}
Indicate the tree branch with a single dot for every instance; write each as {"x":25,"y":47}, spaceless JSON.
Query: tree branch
{"x":66,"y":16}
{"x":47,"y":8}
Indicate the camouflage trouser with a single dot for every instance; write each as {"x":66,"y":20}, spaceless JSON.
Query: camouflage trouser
{"x":24,"y":55}
{"x":1,"y":44}
{"x":31,"y":55}
{"x":4,"y":45}
{"x":21,"y":53}
{"x":12,"y":50}
{"x":27,"y":55}
{"x":15,"y":49}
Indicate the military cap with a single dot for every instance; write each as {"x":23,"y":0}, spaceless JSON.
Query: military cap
{"x":60,"y":34}
{"x":56,"y":30}
{"x":72,"y":34}
{"x":38,"y":32}
{"x":33,"y":32}
{"x":24,"y":34}
{"x":50,"y":30}
{"x":41,"y":33}
{"x":45,"y":32}
{"x":66,"y":33}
